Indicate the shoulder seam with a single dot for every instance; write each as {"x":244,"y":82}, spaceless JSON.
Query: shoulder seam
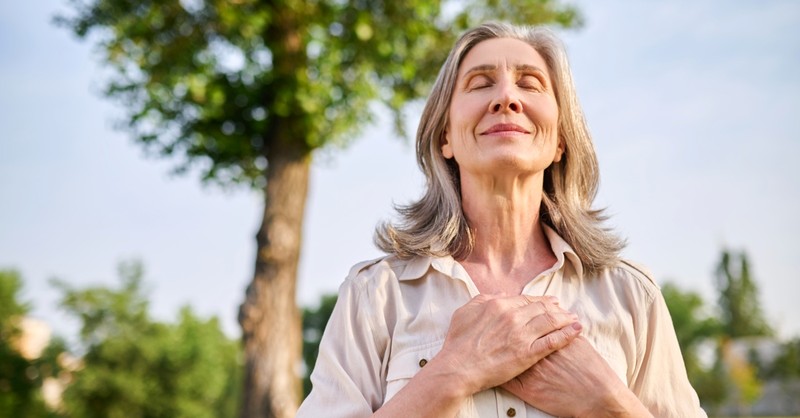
{"x":359,"y":267}
{"x":642,"y":273}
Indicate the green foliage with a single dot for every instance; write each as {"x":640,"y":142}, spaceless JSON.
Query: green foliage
{"x":137,"y":367}
{"x":223,"y":83}
{"x":314,"y":322}
{"x":740,"y":309}
{"x":20,"y":378}
{"x":713,"y":386}
{"x":694,"y":326}
{"x":786,"y":365}
{"x":744,"y":377}
{"x":10,"y":305}
{"x":741,"y":316}
{"x":244,"y":89}
{"x":733,"y":377}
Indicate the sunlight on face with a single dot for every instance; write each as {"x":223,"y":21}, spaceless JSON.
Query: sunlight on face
{"x":503,"y":115}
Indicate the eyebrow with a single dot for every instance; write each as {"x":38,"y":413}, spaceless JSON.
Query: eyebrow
{"x":518,"y":68}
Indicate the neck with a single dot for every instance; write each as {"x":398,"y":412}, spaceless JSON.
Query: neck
{"x":509,"y":239}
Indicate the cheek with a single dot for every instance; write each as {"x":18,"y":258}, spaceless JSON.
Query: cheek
{"x":545,"y":117}
{"x":547,"y":112}
{"x":459,"y":134}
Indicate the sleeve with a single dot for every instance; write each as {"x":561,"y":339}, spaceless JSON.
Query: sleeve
{"x":347,"y":378}
{"x":660,"y":381}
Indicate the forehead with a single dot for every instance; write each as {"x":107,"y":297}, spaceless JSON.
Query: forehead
{"x":502,"y":53}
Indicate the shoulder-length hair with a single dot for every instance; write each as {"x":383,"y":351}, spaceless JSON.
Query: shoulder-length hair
{"x":436,"y":226}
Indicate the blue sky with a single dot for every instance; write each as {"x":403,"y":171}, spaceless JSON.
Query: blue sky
{"x":694,"y":108}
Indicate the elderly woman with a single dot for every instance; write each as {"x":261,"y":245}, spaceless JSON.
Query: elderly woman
{"x":502,"y":294}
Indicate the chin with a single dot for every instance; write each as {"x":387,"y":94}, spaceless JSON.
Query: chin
{"x":514,"y":164}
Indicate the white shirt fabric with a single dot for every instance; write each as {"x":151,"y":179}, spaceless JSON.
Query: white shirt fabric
{"x":392,"y":316}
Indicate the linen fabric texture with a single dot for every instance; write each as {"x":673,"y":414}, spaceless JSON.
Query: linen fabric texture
{"x":392,"y":316}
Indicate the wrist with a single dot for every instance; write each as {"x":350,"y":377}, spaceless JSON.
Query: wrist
{"x":619,"y":403}
{"x":451,"y":378}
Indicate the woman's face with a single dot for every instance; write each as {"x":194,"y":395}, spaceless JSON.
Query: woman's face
{"x":503,"y":116}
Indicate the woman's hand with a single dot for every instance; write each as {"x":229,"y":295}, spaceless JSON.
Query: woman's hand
{"x":492,"y":339}
{"x":576,"y":381}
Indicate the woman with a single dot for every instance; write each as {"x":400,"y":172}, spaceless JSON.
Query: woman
{"x":502,"y":294}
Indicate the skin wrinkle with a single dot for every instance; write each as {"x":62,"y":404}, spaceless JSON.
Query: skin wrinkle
{"x":502,"y":173}
{"x":496,"y":132}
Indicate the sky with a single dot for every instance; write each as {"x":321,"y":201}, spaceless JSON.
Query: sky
{"x":694,"y":108}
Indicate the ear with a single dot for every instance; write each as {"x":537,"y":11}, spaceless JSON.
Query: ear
{"x":447,"y":149}
{"x":559,"y":152}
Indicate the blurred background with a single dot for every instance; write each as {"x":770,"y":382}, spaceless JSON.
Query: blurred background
{"x":693,"y":107}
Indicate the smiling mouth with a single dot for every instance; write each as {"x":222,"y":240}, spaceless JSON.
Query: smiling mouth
{"x":505,"y":128}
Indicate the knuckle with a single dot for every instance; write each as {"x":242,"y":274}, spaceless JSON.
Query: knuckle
{"x":544,"y":306}
{"x":551,"y":319}
{"x":550,"y":342}
{"x":508,"y":319}
{"x":494,"y":306}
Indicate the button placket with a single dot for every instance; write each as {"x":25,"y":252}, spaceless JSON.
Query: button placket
{"x":509,"y":405}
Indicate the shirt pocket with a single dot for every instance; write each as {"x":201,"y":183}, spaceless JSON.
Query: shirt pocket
{"x":406,"y":364}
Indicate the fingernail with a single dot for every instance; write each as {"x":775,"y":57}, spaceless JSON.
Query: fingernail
{"x":553,"y":299}
{"x":577,"y":326}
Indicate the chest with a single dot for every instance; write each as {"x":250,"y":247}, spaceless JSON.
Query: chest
{"x":424,"y":317}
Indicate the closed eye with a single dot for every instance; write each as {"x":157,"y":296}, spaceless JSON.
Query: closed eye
{"x":531,"y":82}
{"x":479,"y":81}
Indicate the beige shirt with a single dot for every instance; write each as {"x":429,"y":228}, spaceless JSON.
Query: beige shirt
{"x":392,"y":316}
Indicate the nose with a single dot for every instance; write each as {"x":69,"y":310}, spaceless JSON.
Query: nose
{"x":506,"y":100}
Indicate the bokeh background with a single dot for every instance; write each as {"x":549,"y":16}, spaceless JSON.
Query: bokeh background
{"x":694,"y":108}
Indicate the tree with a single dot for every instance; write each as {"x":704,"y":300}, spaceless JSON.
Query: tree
{"x":786,"y":369}
{"x":694,"y":326}
{"x":135,"y":366}
{"x":740,"y":309}
{"x":20,"y":377}
{"x":245,"y":90}
{"x":740,"y":316}
{"x":314,"y":322}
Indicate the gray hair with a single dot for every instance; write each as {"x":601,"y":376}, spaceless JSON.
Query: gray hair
{"x":436,"y":226}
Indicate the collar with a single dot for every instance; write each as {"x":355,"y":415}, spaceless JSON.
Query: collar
{"x":563,"y":250}
{"x":416,"y":267}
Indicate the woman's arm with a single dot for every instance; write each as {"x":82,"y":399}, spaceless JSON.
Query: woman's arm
{"x":576,"y":382}
{"x":490,"y":340}
{"x":656,"y":375}
{"x":346,"y":380}
{"x":659,"y":377}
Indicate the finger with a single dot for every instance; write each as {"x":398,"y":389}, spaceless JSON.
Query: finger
{"x":537,"y":305}
{"x":532,"y":299}
{"x":548,"y":322}
{"x":554,"y":341}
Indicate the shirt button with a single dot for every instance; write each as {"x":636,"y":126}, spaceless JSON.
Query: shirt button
{"x":423,"y":362}
{"x":511,"y":412}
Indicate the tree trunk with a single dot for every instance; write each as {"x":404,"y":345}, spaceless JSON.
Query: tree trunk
{"x":270,"y":320}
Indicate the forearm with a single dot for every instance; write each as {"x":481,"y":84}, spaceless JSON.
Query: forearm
{"x":622,"y":404}
{"x":433,"y":392}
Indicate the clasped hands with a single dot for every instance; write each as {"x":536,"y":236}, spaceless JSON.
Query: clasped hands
{"x":532,"y":347}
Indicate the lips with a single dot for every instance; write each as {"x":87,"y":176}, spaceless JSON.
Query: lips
{"x":505,"y":128}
